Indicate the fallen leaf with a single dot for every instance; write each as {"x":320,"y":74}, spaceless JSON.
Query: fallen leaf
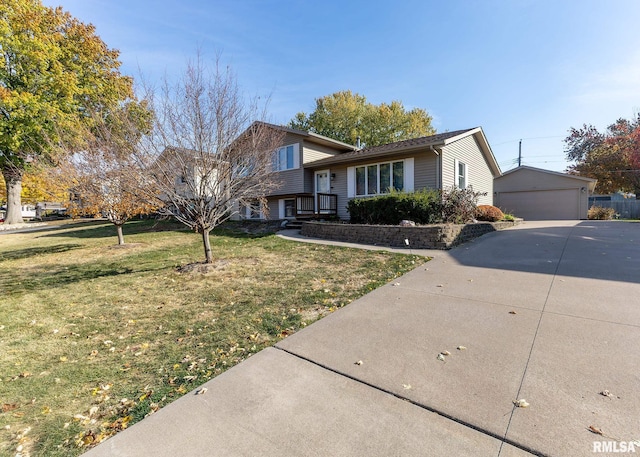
{"x":9,"y":407}
{"x":461,"y":348}
{"x":595,"y":430}
{"x":201,"y":391}
{"x":522,"y":403}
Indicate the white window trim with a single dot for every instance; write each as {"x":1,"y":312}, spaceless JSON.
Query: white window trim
{"x":296,"y":157}
{"x":247,"y":214}
{"x":281,"y":208}
{"x":456,"y":165}
{"x":408,"y":176}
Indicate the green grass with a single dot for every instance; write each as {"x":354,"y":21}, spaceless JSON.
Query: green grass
{"x":94,"y":337}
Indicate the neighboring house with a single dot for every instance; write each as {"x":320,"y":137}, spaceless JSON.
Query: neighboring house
{"x":537,"y":194}
{"x":320,"y":175}
{"x":184,"y":171}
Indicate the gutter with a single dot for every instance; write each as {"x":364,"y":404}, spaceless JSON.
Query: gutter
{"x":438,"y":166}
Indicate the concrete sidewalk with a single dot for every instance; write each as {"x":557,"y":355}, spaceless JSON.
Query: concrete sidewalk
{"x":548,"y":312}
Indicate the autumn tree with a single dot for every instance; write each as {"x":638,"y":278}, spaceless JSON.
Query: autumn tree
{"x":612,"y":157}
{"x":106,"y":177}
{"x":347,"y":116}
{"x":54,"y":71}
{"x":209,"y":154}
{"x":38,"y":185}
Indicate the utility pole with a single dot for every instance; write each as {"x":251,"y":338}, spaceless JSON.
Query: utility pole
{"x":520,"y":153}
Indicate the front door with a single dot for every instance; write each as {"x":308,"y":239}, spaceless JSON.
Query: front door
{"x":322,"y":185}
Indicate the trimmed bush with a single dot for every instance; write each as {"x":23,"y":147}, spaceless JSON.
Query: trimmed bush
{"x":454,"y":205}
{"x":421,"y":207}
{"x":489,"y":213}
{"x":601,"y":214}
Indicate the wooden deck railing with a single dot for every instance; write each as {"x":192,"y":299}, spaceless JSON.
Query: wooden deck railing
{"x":310,"y":205}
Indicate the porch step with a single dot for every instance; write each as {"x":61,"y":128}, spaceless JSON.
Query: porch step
{"x":294,"y":225}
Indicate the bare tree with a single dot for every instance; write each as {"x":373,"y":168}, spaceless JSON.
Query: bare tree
{"x":211,"y":152}
{"x":106,"y":176}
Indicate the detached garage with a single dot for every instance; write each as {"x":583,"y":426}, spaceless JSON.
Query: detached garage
{"x":536,"y":194}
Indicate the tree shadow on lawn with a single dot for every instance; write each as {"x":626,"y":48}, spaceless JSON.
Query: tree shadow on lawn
{"x":41,"y":250}
{"x":53,"y":276}
{"x":105,"y":229}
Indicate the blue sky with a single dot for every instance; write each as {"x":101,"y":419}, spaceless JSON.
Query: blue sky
{"x":521,"y":69}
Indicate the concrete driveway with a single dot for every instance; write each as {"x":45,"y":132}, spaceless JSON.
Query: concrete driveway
{"x":546,"y":312}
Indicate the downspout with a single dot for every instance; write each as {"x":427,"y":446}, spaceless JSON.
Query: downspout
{"x":438,"y":167}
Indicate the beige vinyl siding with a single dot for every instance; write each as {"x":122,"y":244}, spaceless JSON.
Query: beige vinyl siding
{"x":309,"y":178}
{"x":312,"y":152}
{"x":272,"y":214}
{"x":339,"y":187}
{"x":466,"y":150}
{"x":425,"y":165}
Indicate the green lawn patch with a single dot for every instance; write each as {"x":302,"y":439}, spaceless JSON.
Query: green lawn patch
{"x":94,"y":337}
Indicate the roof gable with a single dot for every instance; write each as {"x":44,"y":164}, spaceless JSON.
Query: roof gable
{"x":589,"y":182}
{"x":541,"y":170}
{"x":437,"y":140}
{"x":313,"y":137}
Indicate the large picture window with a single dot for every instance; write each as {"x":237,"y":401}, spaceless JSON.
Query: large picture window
{"x":379,"y":178}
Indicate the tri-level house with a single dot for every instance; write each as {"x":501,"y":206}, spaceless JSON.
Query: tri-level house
{"x":319,"y":175}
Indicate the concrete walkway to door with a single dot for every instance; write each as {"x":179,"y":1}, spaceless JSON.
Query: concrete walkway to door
{"x":547,"y":312}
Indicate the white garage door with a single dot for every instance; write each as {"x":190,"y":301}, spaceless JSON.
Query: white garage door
{"x":542,"y":204}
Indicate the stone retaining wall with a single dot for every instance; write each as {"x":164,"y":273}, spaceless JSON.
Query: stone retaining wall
{"x":440,"y":236}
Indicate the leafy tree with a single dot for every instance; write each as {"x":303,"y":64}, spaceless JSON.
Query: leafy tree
{"x":38,"y":185}
{"x":346,"y":116}
{"x":54,"y":70}
{"x":208,"y":154}
{"x":106,"y":177}
{"x":612,"y":157}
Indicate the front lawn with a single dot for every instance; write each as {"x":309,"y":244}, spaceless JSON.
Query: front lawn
{"x":94,"y":337}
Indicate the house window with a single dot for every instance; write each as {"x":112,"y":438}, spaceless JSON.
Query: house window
{"x":251,"y":211}
{"x":286,"y":158}
{"x":379,"y":178}
{"x":290,"y":208}
{"x":461,"y":178}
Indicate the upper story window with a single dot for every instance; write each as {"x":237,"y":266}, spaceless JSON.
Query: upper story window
{"x":380,"y":178}
{"x":462,"y":175}
{"x":286,"y":158}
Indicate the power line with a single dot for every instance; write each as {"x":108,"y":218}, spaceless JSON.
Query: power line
{"x":530,"y":138}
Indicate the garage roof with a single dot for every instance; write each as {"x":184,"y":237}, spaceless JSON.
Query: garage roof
{"x":590,"y":182}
